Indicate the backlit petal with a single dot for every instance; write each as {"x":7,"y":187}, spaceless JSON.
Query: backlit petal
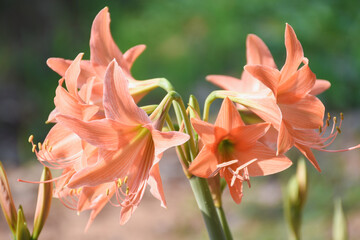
{"x":228,"y":116}
{"x":320,"y":86}
{"x":285,"y":141}
{"x":166,"y":140}
{"x":204,"y":164}
{"x":132,"y":54}
{"x":257,"y":52}
{"x":205,"y":130}
{"x":246,"y":136}
{"x":267,"y":75}
{"x":309,"y":155}
{"x":72,"y":74}
{"x":155,"y":183}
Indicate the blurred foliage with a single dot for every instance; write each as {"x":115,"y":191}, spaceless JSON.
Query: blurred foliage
{"x":186,"y":41}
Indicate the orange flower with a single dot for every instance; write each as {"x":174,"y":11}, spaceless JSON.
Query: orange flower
{"x":231,"y":148}
{"x":103,"y":50}
{"x":130,"y":145}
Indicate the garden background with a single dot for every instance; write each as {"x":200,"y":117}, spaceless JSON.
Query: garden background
{"x":186,"y":40}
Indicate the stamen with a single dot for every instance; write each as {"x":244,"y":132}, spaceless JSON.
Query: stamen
{"x":33,"y":148}
{"x":31,"y":138}
{"x":335,"y":120}
{"x":328,"y":116}
{"x":125,"y":179}
{"x":338,"y":129}
{"x":127,"y":191}
{"x":320,"y":129}
{"x":107,"y":192}
{"x":341,"y":116}
{"x":39,"y":146}
{"x":119,"y":183}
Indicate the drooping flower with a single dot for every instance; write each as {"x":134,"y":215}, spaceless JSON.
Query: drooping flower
{"x":232,"y":150}
{"x":129,"y":144}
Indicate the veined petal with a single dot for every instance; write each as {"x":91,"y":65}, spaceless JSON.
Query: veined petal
{"x":228,"y":116}
{"x":309,"y":155}
{"x":236,"y":189}
{"x":132,"y":54}
{"x":67,"y":104}
{"x":205,"y":130}
{"x":102,"y":46}
{"x":166,"y":140}
{"x":118,"y":103}
{"x":320,"y":86}
{"x":60,"y":66}
{"x":268,"y":162}
{"x":205,"y":163}
{"x":269,"y":76}
{"x":225,"y":82}
{"x":307,"y":113}
{"x":285,"y":141}
{"x":155,"y":183}
{"x":104,"y":133}
{"x":257,"y":52}
{"x":294,"y":54}
{"x":72,"y":75}
{"x":114,"y":165}
{"x":246,"y":136}
{"x":297,"y":86}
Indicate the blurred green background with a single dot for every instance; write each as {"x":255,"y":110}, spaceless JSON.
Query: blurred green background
{"x":186,"y":40}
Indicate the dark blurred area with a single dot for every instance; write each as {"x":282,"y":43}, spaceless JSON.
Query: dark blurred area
{"x":186,"y":40}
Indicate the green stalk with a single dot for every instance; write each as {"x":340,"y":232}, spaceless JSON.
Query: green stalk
{"x":206,"y":205}
{"x":224,"y":223}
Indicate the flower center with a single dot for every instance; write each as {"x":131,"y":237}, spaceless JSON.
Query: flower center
{"x":226,"y":147}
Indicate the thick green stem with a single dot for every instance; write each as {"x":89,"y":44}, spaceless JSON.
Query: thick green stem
{"x":224,"y":223}
{"x":206,"y":205}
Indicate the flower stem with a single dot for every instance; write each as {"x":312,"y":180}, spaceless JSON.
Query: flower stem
{"x":224,"y":223}
{"x":206,"y":205}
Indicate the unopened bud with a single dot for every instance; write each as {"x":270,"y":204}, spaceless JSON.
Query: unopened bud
{"x":6,"y":201}
{"x":339,"y":230}
{"x":22,"y":231}
{"x":43,"y":202}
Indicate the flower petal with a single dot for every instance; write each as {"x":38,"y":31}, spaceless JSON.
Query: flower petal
{"x":204,"y":164}
{"x":268,"y":162}
{"x":104,"y":133}
{"x":307,"y":113}
{"x":228,"y":116}
{"x":102,"y":46}
{"x":309,"y":155}
{"x":294,"y":54}
{"x":72,"y":75}
{"x":246,"y":136}
{"x":155,"y":183}
{"x":320,"y":86}
{"x":205,"y":130}
{"x":166,"y":140}
{"x":257,"y":52}
{"x":132,"y":54}
{"x":285,"y":141}
{"x":267,"y":75}
{"x":225,"y":82}
{"x":118,"y":103}
{"x":236,"y":189}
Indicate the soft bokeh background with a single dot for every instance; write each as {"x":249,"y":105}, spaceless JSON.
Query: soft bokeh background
{"x":186,"y":40}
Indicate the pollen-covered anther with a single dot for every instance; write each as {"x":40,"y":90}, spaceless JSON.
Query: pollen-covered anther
{"x":341,"y":116}
{"x":338,"y":129}
{"x":126,"y":179}
{"x":328,"y":116}
{"x":78,"y":191}
{"x":40,"y":146}
{"x":119,"y":183}
{"x":127,"y":190}
{"x":31,"y":138}
{"x":50,"y":148}
{"x":320,"y":129}
{"x":335,"y":120}
{"x":33,"y":148}
{"x":107,"y":192}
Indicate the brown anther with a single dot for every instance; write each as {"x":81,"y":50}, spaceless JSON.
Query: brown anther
{"x":127,"y":190}
{"x":338,"y":129}
{"x":33,"y":148}
{"x":320,"y":129}
{"x":125,"y":179}
{"x":39,"y":146}
{"x":341,"y":116}
{"x":329,"y":116}
{"x":327,"y":122}
{"x":31,"y":138}
{"x":50,"y":149}
{"x":335,"y":120}
{"x":107,"y":192}
{"x":46,"y":143}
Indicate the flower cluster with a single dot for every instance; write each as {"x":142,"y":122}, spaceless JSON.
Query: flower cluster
{"x":109,"y":148}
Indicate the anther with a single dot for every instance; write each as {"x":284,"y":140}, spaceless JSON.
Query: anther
{"x":33,"y":148}
{"x":338,"y":129}
{"x":39,"y":146}
{"x":327,"y":122}
{"x":46,"y":143}
{"x":341,"y":116}
{"x":335,"y":120}
{"x":50,"y":149}
{"x":119,"y":183}
{"x":320,"y":129}
{"x":107,"y":192}
{"x":125,"y":179}
{"x":127,"y":190}
{"x":31,"y":138}
{"x":329,"y":116}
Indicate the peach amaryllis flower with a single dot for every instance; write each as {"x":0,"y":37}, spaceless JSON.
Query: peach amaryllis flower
{"x":129,"y":144}
{"x":231,"y":149}
{"x":301,"y":112}
{"x":103,"y":50}
{"x":257,"y":53}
